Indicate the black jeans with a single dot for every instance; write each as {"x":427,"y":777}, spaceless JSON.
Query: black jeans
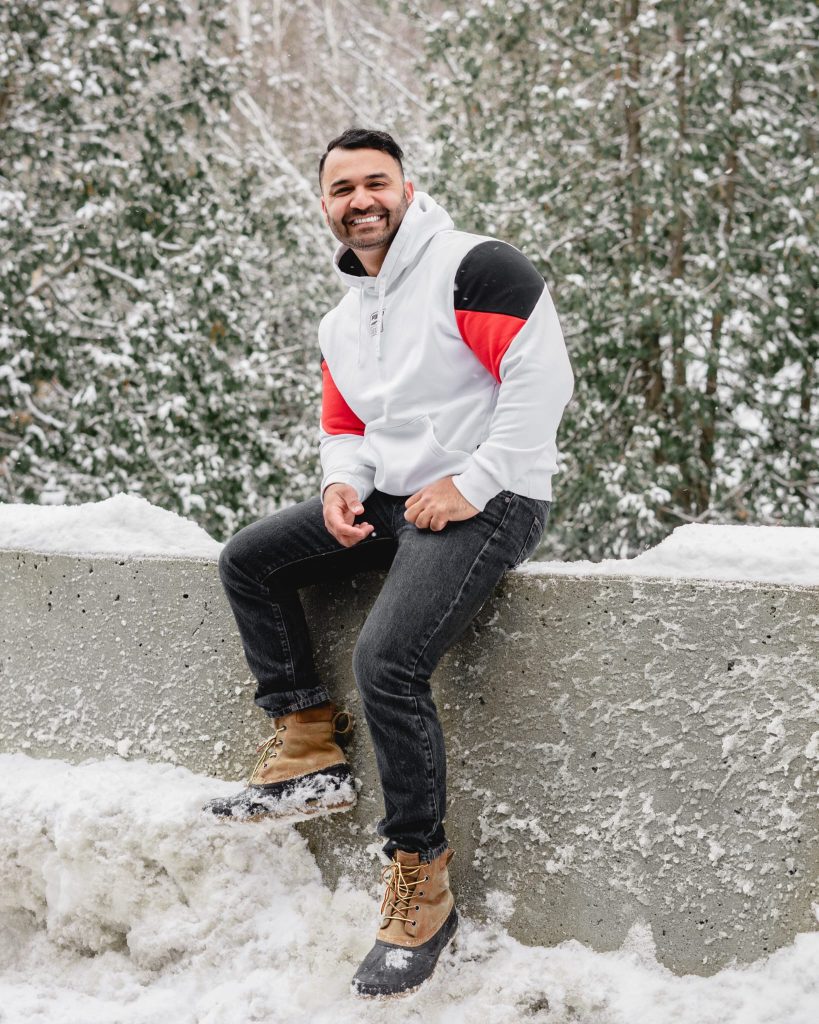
{"x":436,"y":584}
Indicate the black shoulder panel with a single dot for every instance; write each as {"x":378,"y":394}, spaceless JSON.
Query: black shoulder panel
{"x":494,"y":277}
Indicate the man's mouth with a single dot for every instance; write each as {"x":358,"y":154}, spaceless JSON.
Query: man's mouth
{"x":371,"y":218}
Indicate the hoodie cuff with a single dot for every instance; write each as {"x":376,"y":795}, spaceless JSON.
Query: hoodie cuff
{"x":362,"y":487}
{"x":477,"y":486}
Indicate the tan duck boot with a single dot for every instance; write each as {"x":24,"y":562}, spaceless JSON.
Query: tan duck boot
{"x":418,"y":919}
{"x":301,"y":770}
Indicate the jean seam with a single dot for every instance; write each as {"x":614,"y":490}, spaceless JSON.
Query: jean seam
{"x":308,"y":558}
{"x":430,"y":766}
{"x":461,"y":589}
{"x":289,"y":667}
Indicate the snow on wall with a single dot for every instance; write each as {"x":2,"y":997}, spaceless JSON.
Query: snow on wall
{"x":127,"y":524}
{"x":123,"y":525}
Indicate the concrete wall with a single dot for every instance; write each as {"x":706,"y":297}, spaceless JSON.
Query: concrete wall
{"x":620,"y":749}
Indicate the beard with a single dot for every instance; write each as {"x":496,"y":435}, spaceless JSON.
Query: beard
{"x":370,"y":238}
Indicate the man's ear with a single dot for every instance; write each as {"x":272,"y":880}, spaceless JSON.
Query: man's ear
{"x":409,"y":190}
{"x":324,"y":211}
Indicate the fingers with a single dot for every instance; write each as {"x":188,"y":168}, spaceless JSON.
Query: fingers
{"x":347,"y":533}
{"x":342,"y":497}
{"x":339,"y":515}
{"x":426,"y":517}
{"x":350,"y":535}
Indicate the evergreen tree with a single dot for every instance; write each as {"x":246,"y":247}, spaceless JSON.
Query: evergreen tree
{"x":653,"y":159}
{"x":165,"y":264}
{"x":156,"y":330}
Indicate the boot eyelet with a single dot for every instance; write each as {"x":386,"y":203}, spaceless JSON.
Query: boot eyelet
{"x":414,"y":923}
{"x":417,"y":907}
{"x":426,"y":878}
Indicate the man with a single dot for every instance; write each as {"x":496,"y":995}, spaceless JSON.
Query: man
{"x":445,"y":376}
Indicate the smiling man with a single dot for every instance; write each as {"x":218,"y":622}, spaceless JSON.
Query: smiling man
{"x":444,"y":376}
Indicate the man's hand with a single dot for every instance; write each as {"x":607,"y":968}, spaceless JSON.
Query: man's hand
{"x":341,"y":506}
{"x":438,"y":504}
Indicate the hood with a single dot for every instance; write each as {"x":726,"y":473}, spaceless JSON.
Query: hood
{"x":424,"y":219}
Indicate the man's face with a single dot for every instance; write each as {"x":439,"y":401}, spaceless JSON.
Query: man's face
{"x":364,"y":197}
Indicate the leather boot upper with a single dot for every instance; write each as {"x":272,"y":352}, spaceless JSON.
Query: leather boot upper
{"x":417,"y":900}
{"x":301,"y":742}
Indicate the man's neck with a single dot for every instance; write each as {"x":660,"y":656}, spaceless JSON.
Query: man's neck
{"x":372,"y":259}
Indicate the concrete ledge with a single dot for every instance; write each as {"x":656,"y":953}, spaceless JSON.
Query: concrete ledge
{"x":620,"y":749}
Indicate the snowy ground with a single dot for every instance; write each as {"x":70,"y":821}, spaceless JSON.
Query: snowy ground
{"x":122,"y":904}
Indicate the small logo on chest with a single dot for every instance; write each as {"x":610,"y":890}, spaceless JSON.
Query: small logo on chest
{"x":374,"y":324}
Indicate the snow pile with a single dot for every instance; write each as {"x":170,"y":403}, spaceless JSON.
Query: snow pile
{"x":124,"y":525}
{"x":770,"y":554}
{"x":123,"y":904}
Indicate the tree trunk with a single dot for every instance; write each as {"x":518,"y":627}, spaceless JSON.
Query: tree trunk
{"x":709,"y":404}
{"x":650,"y":352}
{"x":682,"y":496}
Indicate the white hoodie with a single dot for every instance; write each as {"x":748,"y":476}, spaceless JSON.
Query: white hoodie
{"x":451,"y":362}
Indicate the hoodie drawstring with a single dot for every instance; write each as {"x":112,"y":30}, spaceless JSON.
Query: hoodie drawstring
{"x":379,"y":319}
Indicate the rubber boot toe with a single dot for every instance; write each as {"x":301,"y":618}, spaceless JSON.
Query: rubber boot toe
{"x":390,"y":970}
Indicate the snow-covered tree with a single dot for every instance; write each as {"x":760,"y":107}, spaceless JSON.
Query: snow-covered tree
{"x":149,"y":319}
{"x":163,"y":262}
{"x":654,"y":160}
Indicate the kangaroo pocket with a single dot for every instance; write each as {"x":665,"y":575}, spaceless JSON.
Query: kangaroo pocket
{"x":407,"y":456}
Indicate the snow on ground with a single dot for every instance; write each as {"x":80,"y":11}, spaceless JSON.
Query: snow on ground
{"x":127,"y":524}
{"x":121,"y":903}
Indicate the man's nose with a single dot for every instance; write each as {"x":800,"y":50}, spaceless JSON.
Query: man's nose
{"x":361,"y":198}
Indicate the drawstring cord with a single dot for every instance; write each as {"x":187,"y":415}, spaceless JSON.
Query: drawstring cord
{"x":379,"y":318}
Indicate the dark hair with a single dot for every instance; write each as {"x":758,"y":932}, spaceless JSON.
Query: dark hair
{"x":364,"y":138}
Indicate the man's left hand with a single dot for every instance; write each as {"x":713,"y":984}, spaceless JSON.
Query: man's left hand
{"x":438,"y":504}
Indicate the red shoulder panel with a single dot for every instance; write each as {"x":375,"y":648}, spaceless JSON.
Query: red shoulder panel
{"x":336,"y":416}
{"x":489,"y":335}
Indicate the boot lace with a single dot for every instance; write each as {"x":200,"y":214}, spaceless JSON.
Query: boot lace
{"x":402,"y":882}
{"x":269,"y":748}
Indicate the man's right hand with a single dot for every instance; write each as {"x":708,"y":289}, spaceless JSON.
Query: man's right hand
{"x":341,"y":506}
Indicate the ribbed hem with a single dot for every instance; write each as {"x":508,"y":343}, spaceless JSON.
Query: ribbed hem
{"x":362,"y":486}
{"x":278,"y":704}
{"x":476,"y":485}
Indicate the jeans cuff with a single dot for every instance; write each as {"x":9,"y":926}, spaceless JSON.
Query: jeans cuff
{"x":285,"y":703}
{"x":424,"y":855}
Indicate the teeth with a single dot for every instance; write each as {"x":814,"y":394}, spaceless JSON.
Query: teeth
{"x":368,"y":220}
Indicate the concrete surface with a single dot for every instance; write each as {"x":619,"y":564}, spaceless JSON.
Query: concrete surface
{"x":621,"y":750}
